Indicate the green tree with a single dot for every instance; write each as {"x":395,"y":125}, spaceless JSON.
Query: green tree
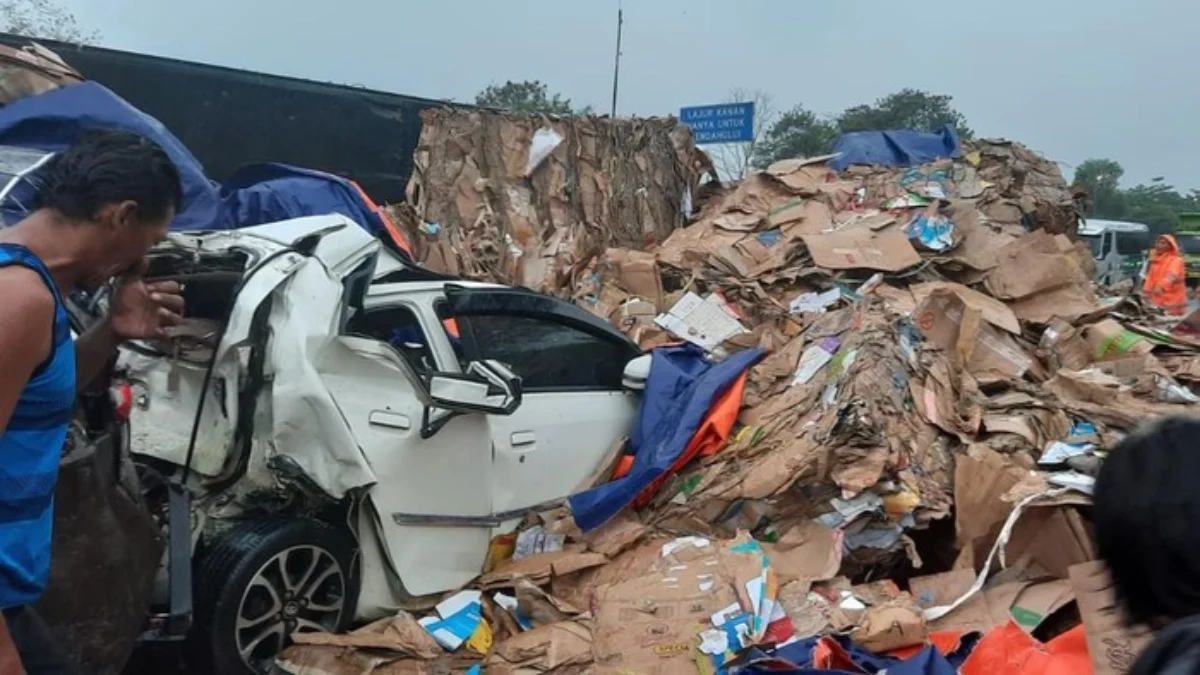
{"x":799,"y":132}
{"x":1102,"y":180}
{"x":43,"y":19}
{"x":1158,"y":205}
{"x":529,"y":96}
{"x":905,"y":109}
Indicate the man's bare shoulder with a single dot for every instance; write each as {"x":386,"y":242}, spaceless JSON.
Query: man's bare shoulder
{"x":24,"y":297}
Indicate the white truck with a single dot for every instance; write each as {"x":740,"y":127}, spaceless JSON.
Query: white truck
{"x":1118,"y":247}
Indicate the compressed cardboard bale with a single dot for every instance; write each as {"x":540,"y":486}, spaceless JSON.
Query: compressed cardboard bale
{"x":530,"y":199}
{"x":32,"y":70}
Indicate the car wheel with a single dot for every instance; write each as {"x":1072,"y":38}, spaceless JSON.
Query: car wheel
{"x":261,"y":581}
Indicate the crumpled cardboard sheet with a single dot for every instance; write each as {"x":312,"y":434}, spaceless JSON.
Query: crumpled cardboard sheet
{"x":401,"y":634}
{"x":564,"y":647}
{"x":1026,"y":182}
{"x":1104,"y":399}
{"x":529,"y":199}
{"x":654,"y":623}
{"x":542,"y":568}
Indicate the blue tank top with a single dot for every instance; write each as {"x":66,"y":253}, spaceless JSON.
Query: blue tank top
{"x":30,"y":449}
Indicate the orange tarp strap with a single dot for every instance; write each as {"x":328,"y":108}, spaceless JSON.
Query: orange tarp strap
{"x":709,"y":438}
{"x":390,"y":225}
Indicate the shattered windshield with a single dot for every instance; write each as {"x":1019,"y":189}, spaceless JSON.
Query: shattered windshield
{"x":15,"y":162}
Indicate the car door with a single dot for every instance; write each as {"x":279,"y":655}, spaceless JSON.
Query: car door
{"x":573,"y":410}
{"x":431,"y":502}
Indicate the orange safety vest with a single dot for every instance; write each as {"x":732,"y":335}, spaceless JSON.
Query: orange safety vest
{"x":1165,"y":286}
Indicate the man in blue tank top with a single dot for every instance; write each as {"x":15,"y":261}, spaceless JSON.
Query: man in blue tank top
{"x":100,"y":207}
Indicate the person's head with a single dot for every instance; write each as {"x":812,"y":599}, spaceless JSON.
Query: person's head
{"x":117,"y":192}
{"x":1146,"y":511}
{"x":1165,"y":244}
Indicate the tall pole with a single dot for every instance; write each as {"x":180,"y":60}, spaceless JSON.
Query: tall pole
{"x":617,"y":65}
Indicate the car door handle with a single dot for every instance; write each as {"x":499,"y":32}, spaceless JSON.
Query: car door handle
{"x":389,"y":419}
{"x":522,"y":438}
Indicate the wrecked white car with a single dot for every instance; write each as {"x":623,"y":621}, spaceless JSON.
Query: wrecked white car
{"x":352,"y":431}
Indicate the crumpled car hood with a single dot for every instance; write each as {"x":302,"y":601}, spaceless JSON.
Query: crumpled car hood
{"x":296,"y":421}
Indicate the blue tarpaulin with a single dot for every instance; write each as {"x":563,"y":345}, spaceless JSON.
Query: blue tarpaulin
{"x":895,"y":148}
{"x":797,"y":659}
{"x":682,"y":387}
{"x":255,"y":194}
{"x":53,"y":120}
{"x":266,"y":193}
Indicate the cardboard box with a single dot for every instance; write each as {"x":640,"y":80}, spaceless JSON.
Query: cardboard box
{"x":1108,"y":340}
{"x":1066,"y":346}
{"x":955,"y":325}
{"x":862,"y":248}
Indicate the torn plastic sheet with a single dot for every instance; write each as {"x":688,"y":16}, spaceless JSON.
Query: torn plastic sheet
{"x":816,"y":303}
{"x":1059,"y":452}
{"x":934,"y":232}
{"x":544,"y":142}
{"x":681,"y":390}
{"x":848,"y":510}
{"x":1171,"y":392}
{"x":1073,"y":480}
{"x":838,"y":655}
{"x":926,"y":181}
{"x":536,"y":541}
{"x":879,"y":537}
{"x":907,"y":201}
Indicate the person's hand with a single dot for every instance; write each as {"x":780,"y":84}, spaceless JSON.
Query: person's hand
{"x":10,"y":660}
{"x":142,"y":310}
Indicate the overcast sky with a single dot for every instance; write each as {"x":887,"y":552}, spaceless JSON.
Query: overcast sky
{"x":1101,"y":78}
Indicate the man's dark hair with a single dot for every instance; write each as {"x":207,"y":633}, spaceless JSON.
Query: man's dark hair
{"x":107,"y":167}
{"x":1146,"y":511}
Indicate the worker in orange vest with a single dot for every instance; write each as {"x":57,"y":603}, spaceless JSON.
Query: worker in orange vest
{"x":1165,"y":285}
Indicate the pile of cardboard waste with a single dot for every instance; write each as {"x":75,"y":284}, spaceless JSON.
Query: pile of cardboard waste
{"x":913,"y":461}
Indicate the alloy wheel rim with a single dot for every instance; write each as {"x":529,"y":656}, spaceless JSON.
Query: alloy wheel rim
{"x":298,"y":590}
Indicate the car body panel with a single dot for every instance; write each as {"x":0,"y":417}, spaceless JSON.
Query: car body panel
{"x":350,"y":411}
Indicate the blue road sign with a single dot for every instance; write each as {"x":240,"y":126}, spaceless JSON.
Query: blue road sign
{"x":724,"y":123}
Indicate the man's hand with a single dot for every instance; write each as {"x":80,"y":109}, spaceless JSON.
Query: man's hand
{"x":142,"y":310}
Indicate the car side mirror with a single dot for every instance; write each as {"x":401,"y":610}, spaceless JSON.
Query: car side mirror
{"x":637,"y":371}
{"x":487,"y":387}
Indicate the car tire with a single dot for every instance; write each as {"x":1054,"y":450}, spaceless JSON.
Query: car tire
{"x":244,"y":604}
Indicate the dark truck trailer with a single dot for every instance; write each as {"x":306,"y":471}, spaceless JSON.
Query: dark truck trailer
{"x":229,"y":117}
